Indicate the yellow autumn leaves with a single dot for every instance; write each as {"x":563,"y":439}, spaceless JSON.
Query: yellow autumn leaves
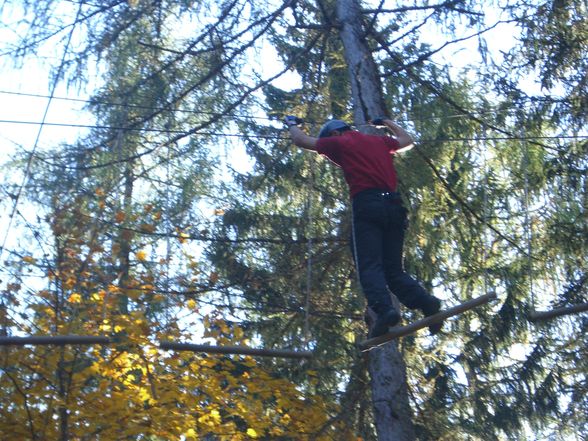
{"x":131,"y":388}
{"x":141,"y":255}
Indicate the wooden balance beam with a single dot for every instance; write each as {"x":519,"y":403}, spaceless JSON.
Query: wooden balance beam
{"x":537,"y":316}
{"x":57,"y":340}
{"x":243,"y":350}
{"x":401,"y":331}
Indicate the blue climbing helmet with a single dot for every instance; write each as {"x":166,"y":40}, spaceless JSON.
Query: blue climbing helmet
{"x":334,"y":124}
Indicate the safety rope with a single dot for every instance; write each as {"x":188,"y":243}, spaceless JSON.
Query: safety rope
{"x":309,"y":245}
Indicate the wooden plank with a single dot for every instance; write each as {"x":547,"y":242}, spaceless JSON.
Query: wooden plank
{"x":244,"y":350}
{"x":536,"y":316}
{"x":57,"y":340}
{"x":401,"y":331}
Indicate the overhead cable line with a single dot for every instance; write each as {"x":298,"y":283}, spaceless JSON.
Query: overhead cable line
{"x":181,"y":134}
{"x":228,"y":109}
{"x":132,"y":106}
{"x":279,"y":137}
{"x":195,"y":131}
{"x":244,"y":240}
{"x":90,"y":101}
{"x":293,"y":307}
{"x":105,"y":127}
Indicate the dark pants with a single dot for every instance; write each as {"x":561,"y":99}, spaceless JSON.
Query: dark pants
{"x":379,"y":223}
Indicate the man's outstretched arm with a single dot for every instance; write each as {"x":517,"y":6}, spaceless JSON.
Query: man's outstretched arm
{"x":299,"y":138}
{"x":404,"y":139}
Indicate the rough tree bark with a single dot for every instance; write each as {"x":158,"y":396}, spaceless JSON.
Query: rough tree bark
{"x":392,"y":411}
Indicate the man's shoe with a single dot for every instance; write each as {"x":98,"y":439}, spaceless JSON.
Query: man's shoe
{"x":432,"y":306}
{"x":385,"y":320}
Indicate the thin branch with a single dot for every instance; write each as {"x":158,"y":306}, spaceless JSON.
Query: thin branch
{"x":429,"y":54}
{"x":464,"y":204}
{"x":244,"y":350}
{"x":77,"y":21}
{"x":446,"y":5}
{"x":537,"y":316}
{"x":431,"y":87}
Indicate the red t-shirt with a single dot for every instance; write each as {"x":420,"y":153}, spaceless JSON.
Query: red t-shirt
{"x":366,"y":160}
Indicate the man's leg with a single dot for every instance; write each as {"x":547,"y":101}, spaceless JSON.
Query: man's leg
{"x":368,"y":255}
{"x":408,"y":290}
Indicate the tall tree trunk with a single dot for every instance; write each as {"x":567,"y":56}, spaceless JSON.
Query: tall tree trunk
{"x":366,"y":89}
{"x":125,"y":235}
{"x":63,"y":412}
{"x":392,"y":411}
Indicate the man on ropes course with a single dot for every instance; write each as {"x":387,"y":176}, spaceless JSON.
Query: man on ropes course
{"x":378,"y":218}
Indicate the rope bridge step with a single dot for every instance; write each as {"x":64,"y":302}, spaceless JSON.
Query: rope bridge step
{"x":401,"y":331}
{"x":243,"y":350}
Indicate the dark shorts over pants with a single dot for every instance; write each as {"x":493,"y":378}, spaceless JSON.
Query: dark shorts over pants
{"x":379,"y":223}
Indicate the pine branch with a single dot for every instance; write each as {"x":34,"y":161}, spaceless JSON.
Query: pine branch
{"x":195,"y":130}
{"x":421,"y":58}
{"x":82,"y":19}
{"x":430,"y":86}
{"x":464,"y":204}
